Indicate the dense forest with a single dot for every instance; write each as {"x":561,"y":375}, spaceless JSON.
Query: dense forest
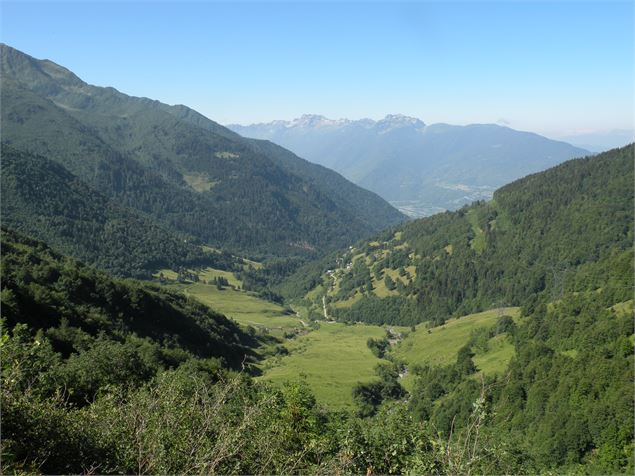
{"x":67,"y":214}
{"x":182,"y":170}
{"x":566,"y":399}
{"x":76,"y":306}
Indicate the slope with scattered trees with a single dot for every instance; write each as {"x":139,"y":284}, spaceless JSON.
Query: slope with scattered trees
{"x":539,"y":237}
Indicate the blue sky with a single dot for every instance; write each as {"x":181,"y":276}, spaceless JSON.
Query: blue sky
{"x":559,"y":68}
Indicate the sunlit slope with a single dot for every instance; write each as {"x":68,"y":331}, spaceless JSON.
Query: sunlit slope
{"x":244,"y":307}
{"x":562,"y":230}
{"x":439,"y":345}
{"x":331,"y":359}
{"x":181,"y":169}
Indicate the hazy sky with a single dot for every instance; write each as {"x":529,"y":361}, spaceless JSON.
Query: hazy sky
{"x":558,"y":68}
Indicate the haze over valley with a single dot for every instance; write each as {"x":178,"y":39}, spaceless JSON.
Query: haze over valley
{"x":420,"y":169}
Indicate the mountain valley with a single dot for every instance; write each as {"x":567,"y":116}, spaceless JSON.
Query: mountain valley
{"x":182,"y":298}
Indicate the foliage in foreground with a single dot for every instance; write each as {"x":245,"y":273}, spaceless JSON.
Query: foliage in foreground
{"x":182,"y":421}
{"x":553,"y":410}
{"x":89,"y":316}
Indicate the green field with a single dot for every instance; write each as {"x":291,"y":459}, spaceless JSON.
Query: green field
{"x":441,"y":344}
{"x":479,"y":242}
{"x":245,"y":308}
{"x":205,"y":275}
{"x":380,"y":289}
{"x":335,"y":357}
{"x":498,"y":355}
{"x":331,"y":359}
{"x":208,"y":274}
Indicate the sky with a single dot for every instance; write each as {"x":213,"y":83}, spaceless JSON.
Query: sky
{"x":557,"y":68}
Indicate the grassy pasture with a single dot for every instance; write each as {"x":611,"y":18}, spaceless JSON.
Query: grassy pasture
{"x":479,"y":241}
{"x":498,"y":355}
{"x":199,"y":182}
{"x":332,"y":359}
{"x":622,"y":308}
{"x":379,"y":286}
{"x":245,"y":308}
{"x":208,"y":274}
{"x":440,"y":345}
{"x":167,"y":274}
{"x":335,"y":357}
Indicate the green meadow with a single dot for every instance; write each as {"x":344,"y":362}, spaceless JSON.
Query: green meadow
{"x":205,"y":275}
{"x":623,"y":308}
{"x":244,"y":307}
{"x":495,"y":359}
{"x":439,"y":345}
{"x":208,"y":274}
{"x":331,"y":359}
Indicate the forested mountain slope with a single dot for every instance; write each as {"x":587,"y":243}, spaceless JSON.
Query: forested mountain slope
{"x":42,"y":199}
{"x":569,"y":228}
{"x":77,"y":308}
{"x":559,"y":244}
{"x":182,"y":170}
{"x":422,"y":169}
{"x":122,"y":377}
{"x":564,"y":401}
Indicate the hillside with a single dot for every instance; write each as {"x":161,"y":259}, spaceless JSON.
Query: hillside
{"x":421,"y":169}
{"x":96,"y":366}
{"x":549,"y":383}
{"x":180,"y":169}
{"x":562,"y":397}
{"x":79,"y":309}
{"x":567,"y":229}
{"x":42,"y":199}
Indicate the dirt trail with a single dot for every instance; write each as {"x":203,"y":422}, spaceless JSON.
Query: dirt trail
{"x":326,"y":316}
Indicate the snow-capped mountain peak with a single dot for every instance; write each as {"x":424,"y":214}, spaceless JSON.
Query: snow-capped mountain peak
{"x":315,"y":120}
{"x":395,"y":121}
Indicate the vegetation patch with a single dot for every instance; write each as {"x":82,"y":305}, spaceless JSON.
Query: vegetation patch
{"x":479,"y":241}
{"x":497,"y":356}
{"x":331,"y":359}
{"x":199,"y":182}
{"x":245,"y":308}
{"x":438,"y":345}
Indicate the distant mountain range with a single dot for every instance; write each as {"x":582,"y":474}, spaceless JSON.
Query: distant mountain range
{"x":166,"y":167}
{"x":419,"y":168}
